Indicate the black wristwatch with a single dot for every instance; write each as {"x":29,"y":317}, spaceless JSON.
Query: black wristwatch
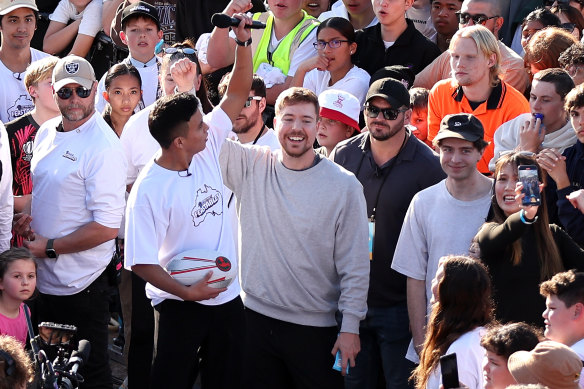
{"x":244,"y":44}
{"x":50,"y":251}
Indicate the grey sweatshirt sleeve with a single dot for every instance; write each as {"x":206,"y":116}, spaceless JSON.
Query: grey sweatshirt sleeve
{"x":352,"y":257}
{"x":233,"y":161}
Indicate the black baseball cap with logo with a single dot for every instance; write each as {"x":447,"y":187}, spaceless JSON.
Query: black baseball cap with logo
{"x":391,"y":90}
{"x":461,"y":126}
{"x":140,"y":8}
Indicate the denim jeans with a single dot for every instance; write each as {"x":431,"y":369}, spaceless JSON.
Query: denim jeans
{"x":385,"y":336}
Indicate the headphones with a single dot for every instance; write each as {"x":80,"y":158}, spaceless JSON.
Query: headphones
{"x":8,"y":363}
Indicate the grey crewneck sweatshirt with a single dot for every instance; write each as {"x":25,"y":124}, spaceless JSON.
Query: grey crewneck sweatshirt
{"x":303,"y":238}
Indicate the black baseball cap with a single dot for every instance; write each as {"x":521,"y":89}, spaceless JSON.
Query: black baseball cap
{"x":399,"y":72}
{"x":462,"y":126}
{"x":391,"y":90}
{"x":143,"y":9}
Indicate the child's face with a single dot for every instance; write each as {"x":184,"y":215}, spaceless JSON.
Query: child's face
{"x":141,"y":36}
{"x":557,"y":319}
{"x":124,"y":94}
{"x":19,"y":281}
{"x":330,"y":132}
{"x":577,"y":120}
{"x":419,"y":120}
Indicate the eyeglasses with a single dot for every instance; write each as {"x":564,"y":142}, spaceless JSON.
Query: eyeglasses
{"x":333,"y":44}
{"x":250,"y":99}
{"x":388,"y":113}
{"x":66,"y":93}
{"x":184,"y":50}
{"x":465,"y":17}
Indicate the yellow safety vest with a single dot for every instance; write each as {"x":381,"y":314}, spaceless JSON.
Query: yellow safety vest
{"x":282,"y":55}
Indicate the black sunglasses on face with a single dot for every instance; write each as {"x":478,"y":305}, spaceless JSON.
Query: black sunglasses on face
{"x":465,"y":17}
{"x":388,"y":113}
{"x":66,"y":93}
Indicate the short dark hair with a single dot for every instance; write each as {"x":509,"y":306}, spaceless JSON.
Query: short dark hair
{"x":137,"y":16}
{"x":573,"y":55}
{"x":559,"y":77}
{"x":568,"y":286}
{"x":168,"y":119}
{"x":506,"y":339}
{"x":575,"y":99}
{"x":544,"y":16}
{"x":419,"y":98}
{"x":257,"y":85}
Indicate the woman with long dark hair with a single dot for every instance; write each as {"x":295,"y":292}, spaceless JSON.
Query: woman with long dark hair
{"x":520,"y":247}
{"x":461,"y":307}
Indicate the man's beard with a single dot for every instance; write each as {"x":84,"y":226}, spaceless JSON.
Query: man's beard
{"x":248,"y":125}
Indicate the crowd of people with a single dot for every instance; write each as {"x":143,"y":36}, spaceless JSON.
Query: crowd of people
{"x":357,"y":163}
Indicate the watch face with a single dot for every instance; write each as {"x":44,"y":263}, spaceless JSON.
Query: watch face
{"x":51,"y":253}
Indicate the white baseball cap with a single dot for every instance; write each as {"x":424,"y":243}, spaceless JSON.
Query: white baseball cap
{"x":341,"y":106}
{"x":7,"y":6}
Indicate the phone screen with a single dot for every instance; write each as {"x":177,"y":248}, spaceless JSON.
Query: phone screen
{"x":530,"y":180}
{"x":449,"y":369}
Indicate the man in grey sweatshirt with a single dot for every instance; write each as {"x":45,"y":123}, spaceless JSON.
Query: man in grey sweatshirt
{"x":303,"y":250}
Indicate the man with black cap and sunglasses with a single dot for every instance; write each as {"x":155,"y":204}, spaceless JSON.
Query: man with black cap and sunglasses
{"x":392,"y":165}
{"x":443,"y":218}
{"x":79,"y":172}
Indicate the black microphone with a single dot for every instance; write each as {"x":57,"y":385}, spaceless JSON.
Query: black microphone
{"x":225,"y":21}
{"x":79,"y":356}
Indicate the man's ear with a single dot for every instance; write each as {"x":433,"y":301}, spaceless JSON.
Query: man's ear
{"x":579,"y":311}
{"x":262,"y":105}
{"x":498,"y":25}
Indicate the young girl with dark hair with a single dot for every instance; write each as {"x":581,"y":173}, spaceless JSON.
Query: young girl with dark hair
{"x":332,"y":68}
{"x":461,"y":307}
{"x":520,"y":247}
{"x":18,"y":272}
{"x":123,"y":89}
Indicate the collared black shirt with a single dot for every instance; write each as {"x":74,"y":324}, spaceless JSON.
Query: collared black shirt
{"x":411,"y":49}
{"x":416,"y":167}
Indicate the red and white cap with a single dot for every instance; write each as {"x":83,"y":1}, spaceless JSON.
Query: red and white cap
{"x":340,"y":105}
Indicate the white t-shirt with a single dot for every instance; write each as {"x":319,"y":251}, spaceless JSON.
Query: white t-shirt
{"x":423,"y":21}
{"x":14,"y":99}
{"x":355,"y":82}
{"x":150,"y":84}
{"x":469,"y":359}
{"x":78,"y":177}
{"x":578,"y":348}
{"x":6,"y":198}
{"x":339,"y":10}
{"x":160,"y":218}
{"x":138,"y":144}
{"x":436,"y":225}
{"x":91,"y":16}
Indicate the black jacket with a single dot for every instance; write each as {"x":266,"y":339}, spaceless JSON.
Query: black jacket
{"x":411,"y":49}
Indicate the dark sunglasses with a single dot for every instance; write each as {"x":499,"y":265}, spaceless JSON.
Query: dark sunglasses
{"x":66,"y":93}
{"x":174,"y":50}
{"x":388,"y":113}
{"x":465,"y":17}
{"x":250,"y":99}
